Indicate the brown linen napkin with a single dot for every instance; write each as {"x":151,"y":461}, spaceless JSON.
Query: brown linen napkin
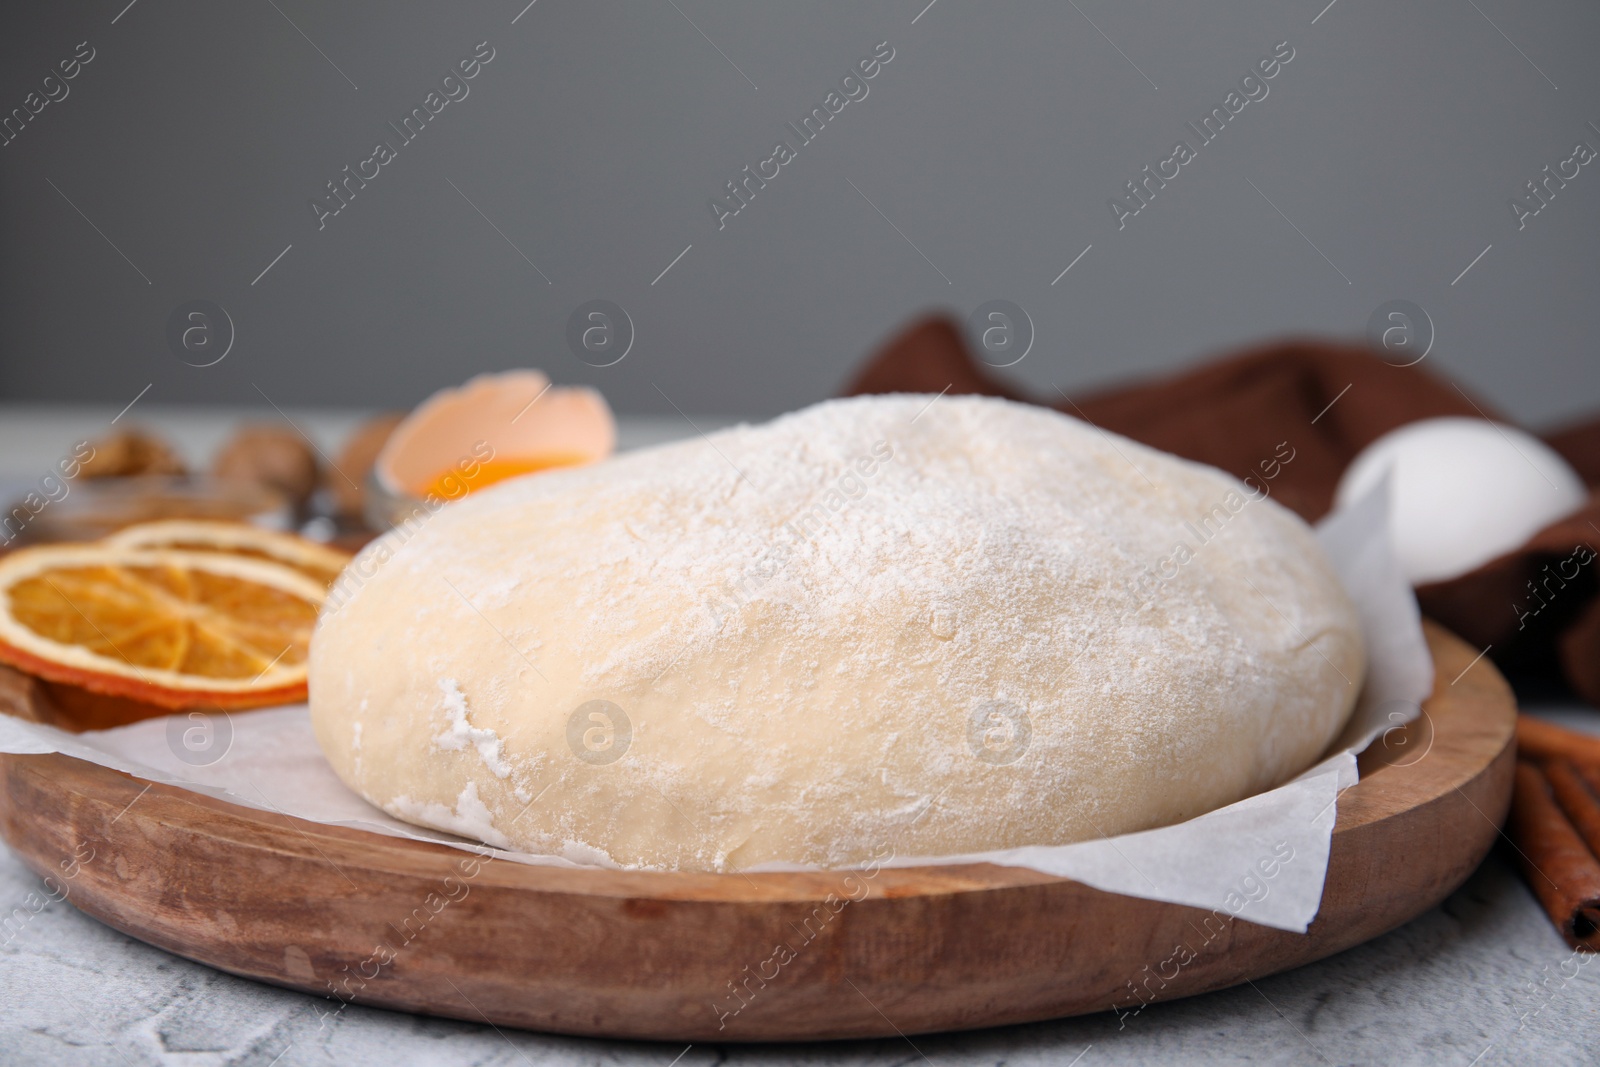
{"x":1323,"y":402}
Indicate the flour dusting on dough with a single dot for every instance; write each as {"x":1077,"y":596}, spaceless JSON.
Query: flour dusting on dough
{"x":470,"y":818}
{"x":461,"y":733}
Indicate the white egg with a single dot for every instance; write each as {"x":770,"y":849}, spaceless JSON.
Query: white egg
{"x":1463,"y":492}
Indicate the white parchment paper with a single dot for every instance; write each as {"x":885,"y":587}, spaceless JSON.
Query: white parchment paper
{"x":1263,"y":859}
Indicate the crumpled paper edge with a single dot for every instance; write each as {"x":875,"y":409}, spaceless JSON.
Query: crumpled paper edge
{"x":1263,"y":859}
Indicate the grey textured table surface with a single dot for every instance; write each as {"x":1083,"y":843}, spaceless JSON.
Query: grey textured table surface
{"x":1482,"y":979}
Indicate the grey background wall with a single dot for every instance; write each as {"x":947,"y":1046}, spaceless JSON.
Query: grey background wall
{"x":184,"y":157}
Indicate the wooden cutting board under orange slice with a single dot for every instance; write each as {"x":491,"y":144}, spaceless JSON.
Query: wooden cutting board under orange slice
{"x":317,"y":561}
{"x":157,"y":629}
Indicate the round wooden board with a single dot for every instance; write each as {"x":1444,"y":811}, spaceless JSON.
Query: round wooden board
{"x":421,"y":927}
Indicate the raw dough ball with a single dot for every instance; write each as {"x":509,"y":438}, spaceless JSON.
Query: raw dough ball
{"x":1464,"y":491}
{"x":876,"y":623}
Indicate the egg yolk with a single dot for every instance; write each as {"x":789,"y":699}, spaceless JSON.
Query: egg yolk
{"x":454,"y":483}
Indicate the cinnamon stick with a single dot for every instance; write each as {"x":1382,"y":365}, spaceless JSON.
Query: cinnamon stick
{"x":1560,"y":868}
{"x":1540,"y":740}
{"x":1576,"y":797}
{"x":1590,"y":773}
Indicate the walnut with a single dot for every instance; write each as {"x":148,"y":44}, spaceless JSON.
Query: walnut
{"x":274,"y":456}
{"x":130,"y":452}
{"x":356,"y":459}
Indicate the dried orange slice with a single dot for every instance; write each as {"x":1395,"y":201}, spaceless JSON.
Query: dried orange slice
{"x":235,"y":539}
{"x":161,"y":627}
